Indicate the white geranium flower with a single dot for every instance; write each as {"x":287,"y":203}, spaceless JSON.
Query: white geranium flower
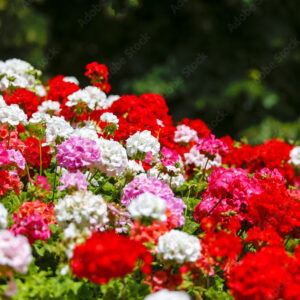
{"x":184,"y":134}
{"x":13,"y":115}
{"x":3,"y":216}
{"x":295,"y":156}
{"x":194,"y":157}
{"x":179,"y":246}
{"x":58,"y":127}
{"x":142,"y":142}
{"x":71,"y":79}
{"x":113,"y":157}
{"x":148,"y":205}
{"x":168,"y":295}
{"x":109,"y":118}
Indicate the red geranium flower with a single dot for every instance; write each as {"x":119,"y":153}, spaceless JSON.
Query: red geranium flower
{"x":109,"y":255}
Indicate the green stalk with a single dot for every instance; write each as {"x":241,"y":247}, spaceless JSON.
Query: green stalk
{"x":41,"y":160}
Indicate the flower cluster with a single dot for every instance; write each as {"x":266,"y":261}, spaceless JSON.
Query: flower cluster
{"x":102,"y":257}
{"x":77,"y":153}
{"x":179,"y":246}
{"x":158,"y":188}
{"x":15,"y":253}
{"x":108,"y":189}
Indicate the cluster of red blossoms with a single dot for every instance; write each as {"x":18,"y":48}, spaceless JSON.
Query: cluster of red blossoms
{"x":98,"y":73}
{"x":109,"y":255}
{"x":32,"y":220}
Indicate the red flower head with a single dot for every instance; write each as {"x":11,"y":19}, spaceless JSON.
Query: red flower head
{"x":98,"y":73}
{"x":109,"y":255}
{"x":32,"y":153}
{"x":265,"y":275}
{"x":26,"y":99}
{"x":60,"y":89}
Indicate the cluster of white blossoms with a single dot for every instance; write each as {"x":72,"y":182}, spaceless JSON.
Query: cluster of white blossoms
{"x":109,"y":118}
{"x":12,"y":115}
{"x":82,"y":209}
{"x":39,"y":117}
{"x":93,"y":97}
{"x":168,"y":295}
{"x":88,"y":131}
{"x":174,"y":182}
{"x":142,"y":142}
{"x":194,"y":157}
{"x":113,"y":157}
{"x":295,"y":156}
{"x":17,"y":73}
{"x":3,"y":216}
{"x":134,"y":167}
{"x":57,"y":127}
{"x":15,"y":251}
{"x":178,"y":246}
{"x":184,"y":134}
{"x":49,"y":106}
{"x":148,"y":205}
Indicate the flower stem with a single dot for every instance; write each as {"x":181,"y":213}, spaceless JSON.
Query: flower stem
{"x":54,"y":183}
{"x":214,"y":207}
{"x":8,"y":140}
{"x":41,"y":160}
{"x":202,"y":175}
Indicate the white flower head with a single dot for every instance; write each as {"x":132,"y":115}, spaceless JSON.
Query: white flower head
{"x":168,"y":295}
{"x":13,"y":115}
{"x":178,"y":246}
{"x":3,"y":216}
{"x":174,"y":182}
{"x":17,"y":73}
{"x":2,"y":102}
{"x":148,"y":205}
{"x":71,"y":79}
{"x":295,"y":156}
{"x":86,"y":132}
{"x":93,"y":97}
{"x":142,"y":142}
{"x":184,"y":134}
{"x":194,"y":157}
{"x":113,"y":157}
{"x":49,"y":106}
{"x":109,"y":118}
{"x":39,"y":118}
{"x":40,"y":90}
{"x":83,"y":209}
{"x":58,"y":127}
{"x":134,"y":167}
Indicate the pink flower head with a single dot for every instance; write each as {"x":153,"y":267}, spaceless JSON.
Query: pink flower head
{"x":42,"y":183}
{"x":265,"y":172}
{"x":4,"y":157}
{"x":210,"y":145}
{"x":16,"y":157}
{"x":70,"y":180}
{"x":142,"y":184}
{"x":169,"y":156}
{"x":15,"y":251}
{"x":77,"y":153}
{"x":227,"y":191}
{"x":32,"y":226}
{"x":148,"y":158}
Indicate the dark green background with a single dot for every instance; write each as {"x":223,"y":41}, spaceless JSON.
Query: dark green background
{"x":233,"y":63}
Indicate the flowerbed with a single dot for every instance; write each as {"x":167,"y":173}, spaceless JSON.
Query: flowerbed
{"x":103,"y":197}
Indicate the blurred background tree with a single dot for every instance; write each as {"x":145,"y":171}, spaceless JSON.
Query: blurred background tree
{"x":232,"y":63}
